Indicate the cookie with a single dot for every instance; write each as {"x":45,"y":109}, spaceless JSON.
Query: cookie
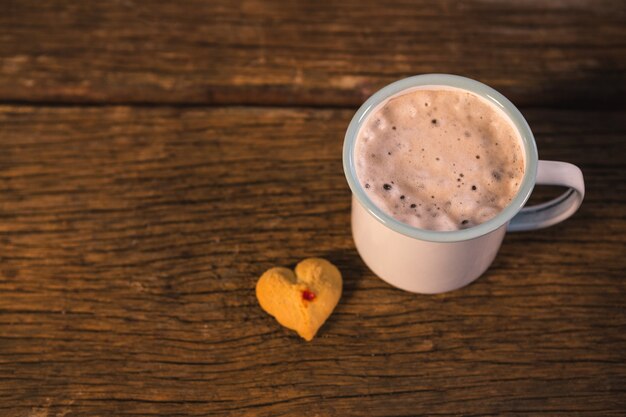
{"x":304,"y":300}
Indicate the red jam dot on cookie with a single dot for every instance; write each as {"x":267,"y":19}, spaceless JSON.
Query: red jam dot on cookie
{"x":308,"y":295}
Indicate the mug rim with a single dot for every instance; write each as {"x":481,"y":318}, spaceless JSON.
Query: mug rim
{"x":463,"y":83}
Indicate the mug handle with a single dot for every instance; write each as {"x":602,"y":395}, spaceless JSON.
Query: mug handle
{"x":558,"y":209}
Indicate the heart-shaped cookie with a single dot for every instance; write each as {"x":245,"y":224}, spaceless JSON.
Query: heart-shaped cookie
{"x":304,"y":300}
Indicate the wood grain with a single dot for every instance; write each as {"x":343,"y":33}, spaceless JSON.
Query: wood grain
{"x":560,"y":53}
{"x":131,"y":240}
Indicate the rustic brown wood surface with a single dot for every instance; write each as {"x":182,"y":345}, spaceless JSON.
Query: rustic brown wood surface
{"x":131,"y":241}
{"x":157,"y":157}
{"x":307,"y":52}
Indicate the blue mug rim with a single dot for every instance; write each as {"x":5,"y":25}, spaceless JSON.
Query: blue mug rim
{"x":443,"y":80}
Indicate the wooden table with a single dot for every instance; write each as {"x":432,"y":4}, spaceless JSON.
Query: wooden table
{"x":156,"y":157}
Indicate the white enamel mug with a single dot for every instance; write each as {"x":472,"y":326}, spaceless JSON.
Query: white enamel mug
{"x":429,"y":262}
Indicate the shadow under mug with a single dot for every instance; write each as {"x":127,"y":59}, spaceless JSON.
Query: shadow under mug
{"x":430,"y":262}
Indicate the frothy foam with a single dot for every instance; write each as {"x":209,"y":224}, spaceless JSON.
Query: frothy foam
{"x":439,"y":158}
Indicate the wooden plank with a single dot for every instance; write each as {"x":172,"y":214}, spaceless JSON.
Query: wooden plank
{"x":131,"y":240}
{"x":559,"y":53}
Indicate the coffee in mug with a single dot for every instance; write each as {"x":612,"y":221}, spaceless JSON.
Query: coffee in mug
{"x":440,"y":168}
{"x":439,"y":158}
